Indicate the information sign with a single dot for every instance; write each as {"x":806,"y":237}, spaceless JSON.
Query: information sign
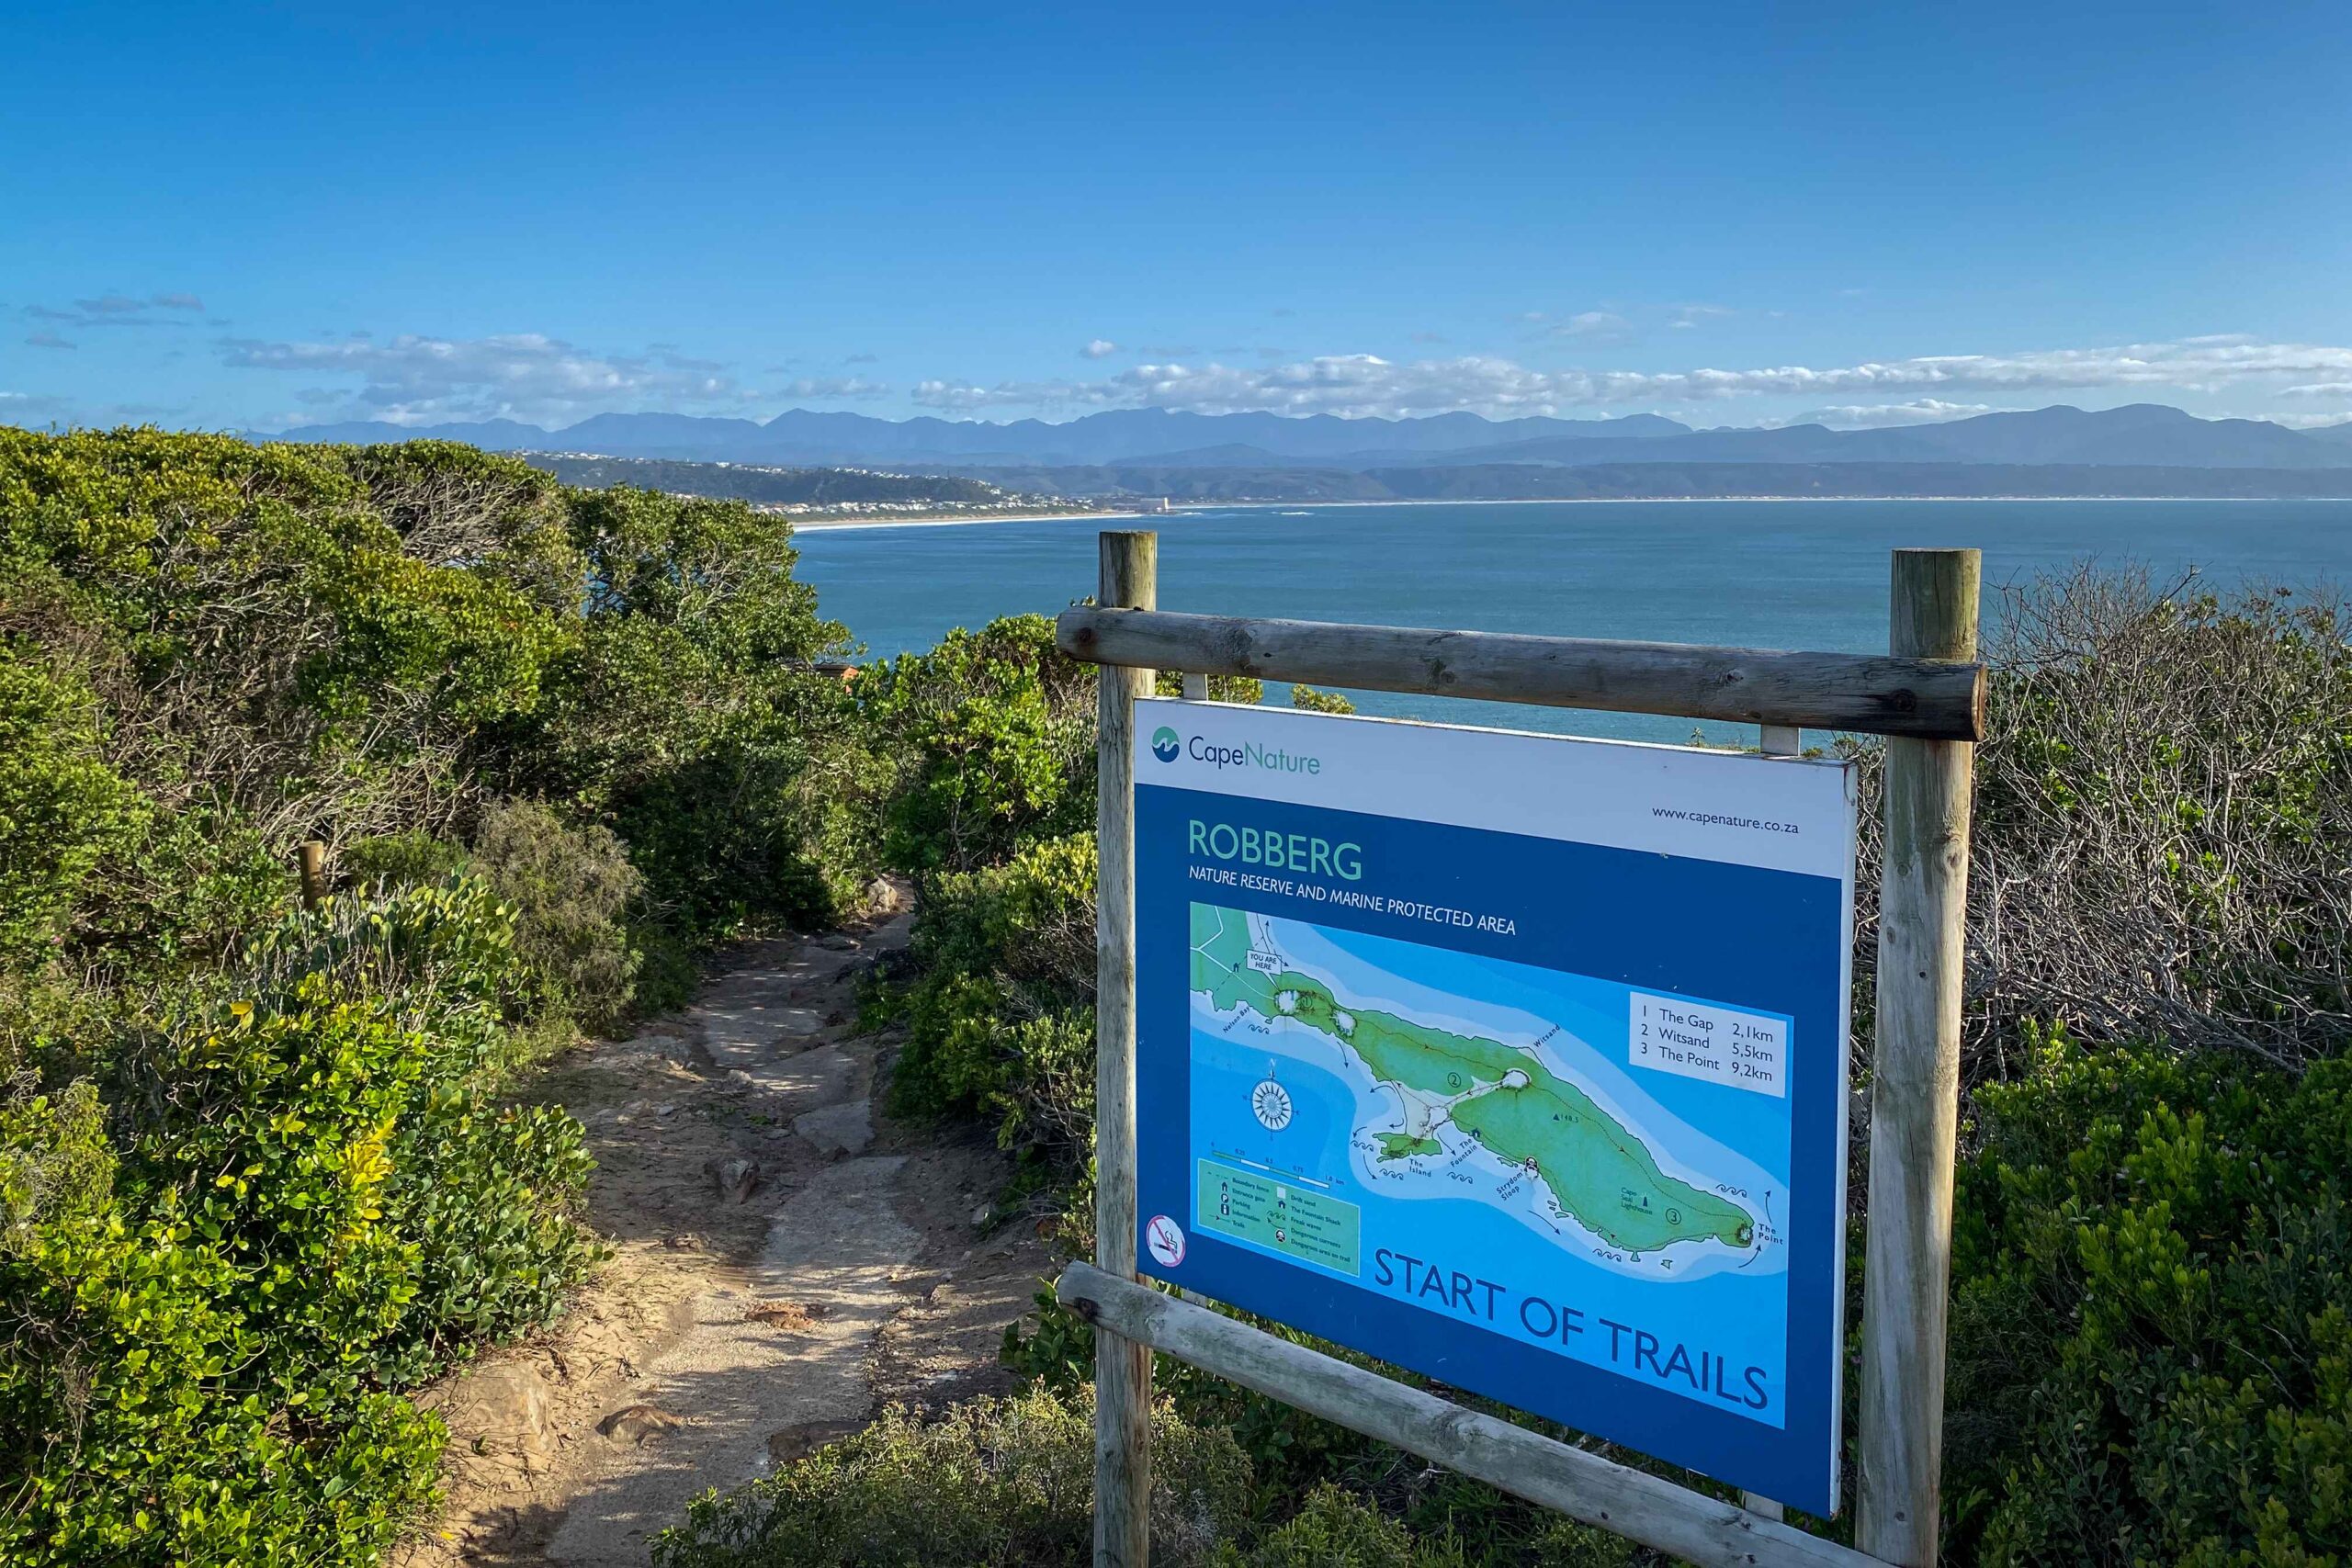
{"x":1515,"y":1060}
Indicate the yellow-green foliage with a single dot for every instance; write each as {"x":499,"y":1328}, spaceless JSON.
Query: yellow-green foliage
{"x":311,"y":1197}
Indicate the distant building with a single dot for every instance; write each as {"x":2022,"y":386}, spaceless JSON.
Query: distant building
{"x":1154,"y":504}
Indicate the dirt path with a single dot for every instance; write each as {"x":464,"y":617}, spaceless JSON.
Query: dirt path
{"x":786,"y":1261}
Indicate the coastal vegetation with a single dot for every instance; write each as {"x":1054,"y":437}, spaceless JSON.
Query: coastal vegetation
{"x":262,"y":1169}
{"x":266,"y":1170}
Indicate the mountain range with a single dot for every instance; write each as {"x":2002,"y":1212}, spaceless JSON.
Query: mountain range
{"x":2139,"y":435}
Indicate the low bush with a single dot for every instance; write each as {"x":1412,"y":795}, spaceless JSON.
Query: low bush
{"x":1000,"y":1016}
{"x":992,"y":1484}
{"x":2151,"y":1333}
{"x":289,"y":1194}
{"x":570,"y":889}
{"x":990,"y":737}
{"x":2162,"y":798}
{"x":63,"y":808}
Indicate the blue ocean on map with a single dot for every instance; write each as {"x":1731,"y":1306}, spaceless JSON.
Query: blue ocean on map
{"x":1732,"y":1307}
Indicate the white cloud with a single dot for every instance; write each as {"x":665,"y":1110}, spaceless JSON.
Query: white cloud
{"x":1099,"y":348}
{"x":2309,"y":420}
{"x":1362,"y":384}
{"x":1688,"y":316}
{"x":417,"y":381}
{"x":1881,"y":416}
{"x":833,"y":386}
{"x":2321,"y":389}
{"x":117,"y":310}
{"x":958,"y":397}
{"x":1592,"y":324}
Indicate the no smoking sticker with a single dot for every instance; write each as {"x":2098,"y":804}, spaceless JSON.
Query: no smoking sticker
{"x":1166,"y":1239}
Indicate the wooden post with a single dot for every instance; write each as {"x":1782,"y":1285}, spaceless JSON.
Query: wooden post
{"x":310,"y":861}
{"x":1122,"y":1366}
{"x":1914,"y":1087}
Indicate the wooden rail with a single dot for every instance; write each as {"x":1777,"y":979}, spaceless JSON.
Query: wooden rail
{"x":1584,"y":1485}
{"x":1920,"y":698}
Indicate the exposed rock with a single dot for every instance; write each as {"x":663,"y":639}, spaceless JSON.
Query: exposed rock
{"x":501,"y":1409}
{"x":845,"y":1129}
{"x":884,"y":897}
{"x":796,"y":1443}
{"x":735,"y":1177}
{"x":635,"y":1423}
{"x":787,"y":1314}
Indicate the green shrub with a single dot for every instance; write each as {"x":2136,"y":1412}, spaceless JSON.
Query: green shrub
{"x":63,"y":808}
{"x":569,"y":888}
{"x":991,"y":736}
{"x":688,"y":714}
{"x":2152,"y":1356}
{"x":308,"y":1199}
{"x":992,"y":1484}
{"x":332,"y":1130}
{"x":1313,"y":701}
{"x":130,"y":1431}
{"x":1335,"y":1528}
{"x":386,"y":863}
{"x":1000,"y":1017}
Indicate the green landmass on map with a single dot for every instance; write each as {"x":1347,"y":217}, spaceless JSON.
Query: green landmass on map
{"x":1405,"y":1145}
{"x":1505,"y":1098}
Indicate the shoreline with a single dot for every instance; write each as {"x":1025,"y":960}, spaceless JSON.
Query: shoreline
{"x":1179,"y":509}
{"x":833,"y":525}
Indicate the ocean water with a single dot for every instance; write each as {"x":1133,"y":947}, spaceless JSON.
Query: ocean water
{"x":1748,"y":573}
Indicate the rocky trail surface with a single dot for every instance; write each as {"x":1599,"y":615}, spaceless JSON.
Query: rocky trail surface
{"x":785,"y":1262}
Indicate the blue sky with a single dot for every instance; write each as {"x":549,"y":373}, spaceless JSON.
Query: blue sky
{"x":256,"y":216}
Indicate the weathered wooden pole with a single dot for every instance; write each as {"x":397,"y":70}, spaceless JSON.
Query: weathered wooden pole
{"x":310,"y":861}
{"x":1914,"y":1087}
{"x":1122,"y":1366}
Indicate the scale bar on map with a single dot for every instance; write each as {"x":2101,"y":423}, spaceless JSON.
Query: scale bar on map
{"x":1273,"y":1169}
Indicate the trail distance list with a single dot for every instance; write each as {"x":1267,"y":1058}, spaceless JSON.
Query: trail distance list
{"x":1457,"y":1047}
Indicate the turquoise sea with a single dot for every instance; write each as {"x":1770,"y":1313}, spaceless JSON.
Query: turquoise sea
{"x":1752,"y":573}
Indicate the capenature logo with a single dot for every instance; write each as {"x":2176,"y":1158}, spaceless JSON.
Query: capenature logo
{"x":1165,"y":744}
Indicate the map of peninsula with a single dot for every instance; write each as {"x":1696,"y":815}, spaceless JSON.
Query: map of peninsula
{"x":1599,"y":1172}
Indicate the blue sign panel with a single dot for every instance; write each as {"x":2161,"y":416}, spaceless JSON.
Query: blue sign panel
{"x":1513,"y":1060}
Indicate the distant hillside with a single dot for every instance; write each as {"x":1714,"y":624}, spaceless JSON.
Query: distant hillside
{"x":773,"y":487}
{"x":1627,"y":481}
{"x":2142,"y":435}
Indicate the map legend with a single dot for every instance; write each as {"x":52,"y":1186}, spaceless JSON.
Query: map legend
{"x":1700,"y":1039}
{"x":1311,"y":1226}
